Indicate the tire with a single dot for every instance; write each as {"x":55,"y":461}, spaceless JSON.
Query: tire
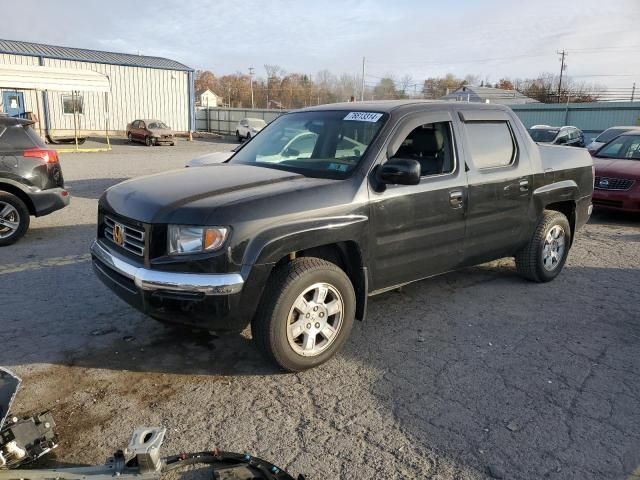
{"x":173,"y":144}
{"x":530,"y":261}
{"x":148,"y":141}
{"x":248,"y":136}
{"x":130,"y":137}
{"x":273,"y":326}
{"x":238,"y":136}
{"x":14,"y":210}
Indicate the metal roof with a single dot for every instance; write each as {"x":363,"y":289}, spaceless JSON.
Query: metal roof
{"x":16,"y":47}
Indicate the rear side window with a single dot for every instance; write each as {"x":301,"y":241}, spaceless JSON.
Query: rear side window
{"x":19,"y":137}
{"x":492,"y":144}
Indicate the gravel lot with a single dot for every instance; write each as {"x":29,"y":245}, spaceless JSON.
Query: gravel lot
{"x":449,"y":378}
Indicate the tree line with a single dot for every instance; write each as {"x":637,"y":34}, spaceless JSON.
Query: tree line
{"x":280,"y":89}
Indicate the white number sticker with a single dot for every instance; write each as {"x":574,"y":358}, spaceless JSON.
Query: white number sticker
{"x":363,"y":116}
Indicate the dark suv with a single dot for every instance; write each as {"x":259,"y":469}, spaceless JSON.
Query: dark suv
{"x":31,"y":180}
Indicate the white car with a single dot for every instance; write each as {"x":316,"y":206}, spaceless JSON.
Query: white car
{"x":606,"y":136}
{"x":302,"y":145}
{"x":248,"y":127}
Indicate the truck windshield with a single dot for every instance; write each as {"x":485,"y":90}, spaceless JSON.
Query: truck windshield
{"x":325,"y":144}
{"x":624,"y":147}
{"x":543,"y":135}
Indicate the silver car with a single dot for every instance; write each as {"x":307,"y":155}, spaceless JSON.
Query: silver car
{"x":606,"y":136}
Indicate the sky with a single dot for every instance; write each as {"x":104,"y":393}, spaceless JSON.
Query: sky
{"x":419,"y":38}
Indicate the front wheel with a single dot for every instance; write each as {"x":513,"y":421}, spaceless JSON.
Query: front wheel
{"x":148,"y":141}
{"x":306,"y":314}
{"x":14,"y":219}
{"x":543,"y":258}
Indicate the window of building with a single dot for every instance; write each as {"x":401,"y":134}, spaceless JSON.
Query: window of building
{"x":430,"y":144}
{"x":491,"y":143}
{"x":72,"y":104}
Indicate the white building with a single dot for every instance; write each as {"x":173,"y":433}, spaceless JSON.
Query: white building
{"x":206,"y":98}
{"x":140,"y":87}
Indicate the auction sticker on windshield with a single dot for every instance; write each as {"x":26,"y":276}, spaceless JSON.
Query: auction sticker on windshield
{"x":363,"y":116}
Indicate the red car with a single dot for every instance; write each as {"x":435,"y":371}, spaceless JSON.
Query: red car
{"x":150,"y":132}
{"x":617,"y":179}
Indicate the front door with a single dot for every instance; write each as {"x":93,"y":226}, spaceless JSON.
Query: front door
{"x":13,"y":103}
{"x":418,"y":230}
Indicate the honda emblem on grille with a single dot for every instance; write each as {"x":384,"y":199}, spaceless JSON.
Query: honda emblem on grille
{"x":604,"y":183}
{"x":118,"y":234}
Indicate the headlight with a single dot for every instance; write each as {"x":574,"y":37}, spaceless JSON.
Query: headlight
{"x":187,"y":239}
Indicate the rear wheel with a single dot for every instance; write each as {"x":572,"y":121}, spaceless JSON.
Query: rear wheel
{"x":130,"y":137}
{"x":543,"y":258}
{"x":306,"y":314}
{"x":238,"y":136}
{"x":14,"y":219}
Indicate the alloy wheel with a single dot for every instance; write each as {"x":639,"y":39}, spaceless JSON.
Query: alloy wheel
{"x":9,"y":220}
{"x":315,"y":319}
{"x":553,"y":248}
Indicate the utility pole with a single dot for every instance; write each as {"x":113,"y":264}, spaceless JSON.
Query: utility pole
{"x":633,"y":91}
{"x":562,"y":69}
{"x":251,"y":81}
{"x":362,"y":92}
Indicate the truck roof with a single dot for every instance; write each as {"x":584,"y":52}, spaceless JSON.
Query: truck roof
{"x":388,"y":106}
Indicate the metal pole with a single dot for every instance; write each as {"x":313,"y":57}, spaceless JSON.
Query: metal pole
{"x":633,"y":91}
{"x":251,"y":81}
{"x":562,"y":67}
{"x":75,"y":120}
{"x":38,"y":110}
{"x":106,"y":119}
{"x":362,"y":91}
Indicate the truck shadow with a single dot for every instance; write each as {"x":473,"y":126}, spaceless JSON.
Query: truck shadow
{"x":497,"y":371}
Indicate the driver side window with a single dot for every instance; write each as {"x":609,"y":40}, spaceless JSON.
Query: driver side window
{"x":430,"y":144}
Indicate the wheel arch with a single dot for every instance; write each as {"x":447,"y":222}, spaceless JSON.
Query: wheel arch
{"x":18,"y":192}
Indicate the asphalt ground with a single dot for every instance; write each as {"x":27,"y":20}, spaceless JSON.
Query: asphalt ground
{"x":462,"y":376}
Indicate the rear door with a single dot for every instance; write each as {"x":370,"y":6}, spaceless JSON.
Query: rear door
{"x":418,"y":231}
{"x":499,"y":185}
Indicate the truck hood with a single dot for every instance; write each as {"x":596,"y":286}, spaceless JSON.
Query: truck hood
{"x":614,"y":167}
{"x":194,"y":196}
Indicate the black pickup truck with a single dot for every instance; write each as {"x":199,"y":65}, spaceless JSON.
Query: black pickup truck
{"x":332,"y":204}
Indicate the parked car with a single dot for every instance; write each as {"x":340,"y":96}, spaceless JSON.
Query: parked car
{"x":31,"y":181}
{"x":296,"y":246}
{"x":617,"y":173}
{"x":568,"y":136}
{"x":150,"y":132}
{"x":249,"y":127}
{"x":606,"y":136}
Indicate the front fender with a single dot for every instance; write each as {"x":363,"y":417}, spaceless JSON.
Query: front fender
{"x":272,"y":244}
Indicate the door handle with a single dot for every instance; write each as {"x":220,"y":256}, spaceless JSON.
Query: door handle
{"x":524,"y":185}
{"x":455,"y":198}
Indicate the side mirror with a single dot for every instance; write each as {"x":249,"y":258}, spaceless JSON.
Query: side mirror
{"x":399,"y":171}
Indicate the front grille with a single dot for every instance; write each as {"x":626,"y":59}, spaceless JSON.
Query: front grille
{"x":133,"y":237}
{"x":607,"y":183}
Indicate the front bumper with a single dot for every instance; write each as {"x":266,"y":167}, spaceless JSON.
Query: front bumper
{"x":622,"y":200}
{"x":210,"y":301}
{"x":50,"y":200}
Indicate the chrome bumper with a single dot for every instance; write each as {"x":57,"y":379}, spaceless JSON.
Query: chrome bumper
{"x":150,"y":280}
